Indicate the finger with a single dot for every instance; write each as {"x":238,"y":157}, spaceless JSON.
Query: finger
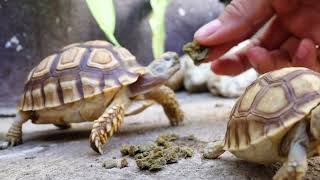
{"x":273,"y":34}
{"x":306,"y":55}
{"x":304,"y":22}
{"x":284,"y":6}
{"x":231,"y":66}
{"x":218,"y":51}
{"x":264,"y":61}
{"x":291,"y":46}
{"x":240,"y":20}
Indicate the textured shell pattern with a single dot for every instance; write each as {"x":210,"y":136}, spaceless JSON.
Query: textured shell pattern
{"x":78,"y":71}
{"x":272,"y":104}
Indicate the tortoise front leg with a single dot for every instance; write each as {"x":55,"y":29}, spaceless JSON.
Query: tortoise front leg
{"x":104,"y":127}
{"x":296,"y":165}
{"x":109,"y":122}
{"x":14,"y":135}
{"x":167,"y":98}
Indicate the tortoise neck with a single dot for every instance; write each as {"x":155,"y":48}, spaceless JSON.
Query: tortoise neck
{"x":146,"y":83}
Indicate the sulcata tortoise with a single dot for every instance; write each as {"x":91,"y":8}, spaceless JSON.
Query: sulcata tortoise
{"x":94,"y":81}
{"x":277,"y":119}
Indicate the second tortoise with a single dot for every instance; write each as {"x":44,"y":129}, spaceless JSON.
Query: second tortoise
{"x":277,"y":119}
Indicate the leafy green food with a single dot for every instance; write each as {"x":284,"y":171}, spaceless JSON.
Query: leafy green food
{"x":104,"y":13}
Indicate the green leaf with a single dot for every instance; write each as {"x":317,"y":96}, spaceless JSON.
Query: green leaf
{"x":104,"y":13}
{"x":157,"y":24}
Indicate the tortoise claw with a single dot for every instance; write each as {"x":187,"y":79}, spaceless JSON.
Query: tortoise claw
{"x":97,"y":140}
{"x":10,"y":142}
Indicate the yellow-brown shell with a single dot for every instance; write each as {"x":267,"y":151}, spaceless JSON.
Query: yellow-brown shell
{"x":78,"y":71}
{"x":271,"y":105}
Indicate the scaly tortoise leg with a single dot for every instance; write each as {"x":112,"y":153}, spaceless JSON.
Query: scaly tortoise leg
{"x":167,"y":98}
{"x":109,"y":122}
{"x":213,"y":150}
{"x":296,"y":165}
{"x":14,"y":135}
{"x":104,"y":127}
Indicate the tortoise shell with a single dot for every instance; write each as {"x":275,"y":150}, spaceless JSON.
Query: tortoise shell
{"x":270,"y":106}
{"x":78,"y":71}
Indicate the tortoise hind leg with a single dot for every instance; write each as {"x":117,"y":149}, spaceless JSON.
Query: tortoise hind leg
{"x":63,"y":126}
{"x":167,"y":98}
{"x":213,"y":150}
{"x":296,"y":165}
{"x":14,"y":135}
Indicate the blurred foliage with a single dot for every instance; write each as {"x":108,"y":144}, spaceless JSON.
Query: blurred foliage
{"x":104,"y":13}
{"x":157,"y":25}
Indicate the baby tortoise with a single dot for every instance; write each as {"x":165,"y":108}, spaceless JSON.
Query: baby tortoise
{"x":94,"y":81}
{"x":277,"y":119}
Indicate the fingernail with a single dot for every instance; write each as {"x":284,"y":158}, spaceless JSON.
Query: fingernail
{"x":208,"y":29}
{"x":302,"y":52}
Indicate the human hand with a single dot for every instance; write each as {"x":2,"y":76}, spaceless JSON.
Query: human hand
{"x":288,"y":39}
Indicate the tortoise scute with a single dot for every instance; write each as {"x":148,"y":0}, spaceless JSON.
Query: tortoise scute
{"x":97,"y":43}
{"x":51,"y":93}
{"x":43,"y":67}
{"x":70,"y":91}
{"x":273,"y":100}
{"x":271,"y":105}
{"x":102,"y":59}
{"x":305,"y":84}
{"x":249,"y":96}
{"x":90,"y":86}
{"x":80,"y":70}
{"x":70,"y":58}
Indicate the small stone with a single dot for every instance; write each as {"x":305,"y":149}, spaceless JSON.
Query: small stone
{"x":181,"y":12}
{"x":191,"y":137}
{"x":19,"y":48}
{"x":8,"y":44}
{"x":109,"y":164}
{"x":14,"y":40}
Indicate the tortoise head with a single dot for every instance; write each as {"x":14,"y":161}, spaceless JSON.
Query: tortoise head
{"x":159,"y":71}
{"x":165,"y":66}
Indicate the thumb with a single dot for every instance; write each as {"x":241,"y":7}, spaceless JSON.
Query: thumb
{"x":240,"y":20}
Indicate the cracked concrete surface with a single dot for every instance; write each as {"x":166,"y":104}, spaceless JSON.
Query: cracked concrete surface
{"x":49,"y":153}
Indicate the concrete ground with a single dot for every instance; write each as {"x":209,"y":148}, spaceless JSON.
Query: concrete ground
{"x":49,"y":153}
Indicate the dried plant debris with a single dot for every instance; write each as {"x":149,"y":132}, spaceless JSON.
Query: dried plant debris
{"x":154,"y":156}
{"x":196,"y":52}
{"x":115,"y":163}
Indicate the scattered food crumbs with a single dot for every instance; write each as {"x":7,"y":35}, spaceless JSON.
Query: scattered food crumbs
{"x":196,"y":52}
{"x":115,"y":163}
{"x":154,"y":156}
{"x":123,"y":163}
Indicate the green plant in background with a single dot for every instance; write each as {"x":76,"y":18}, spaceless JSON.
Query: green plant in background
{"x":104,"y":13}
{"x":157,"y":24}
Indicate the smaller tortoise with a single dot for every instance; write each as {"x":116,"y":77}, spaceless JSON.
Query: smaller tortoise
{"x":94,"y":81}
{"x":277,"y":119}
